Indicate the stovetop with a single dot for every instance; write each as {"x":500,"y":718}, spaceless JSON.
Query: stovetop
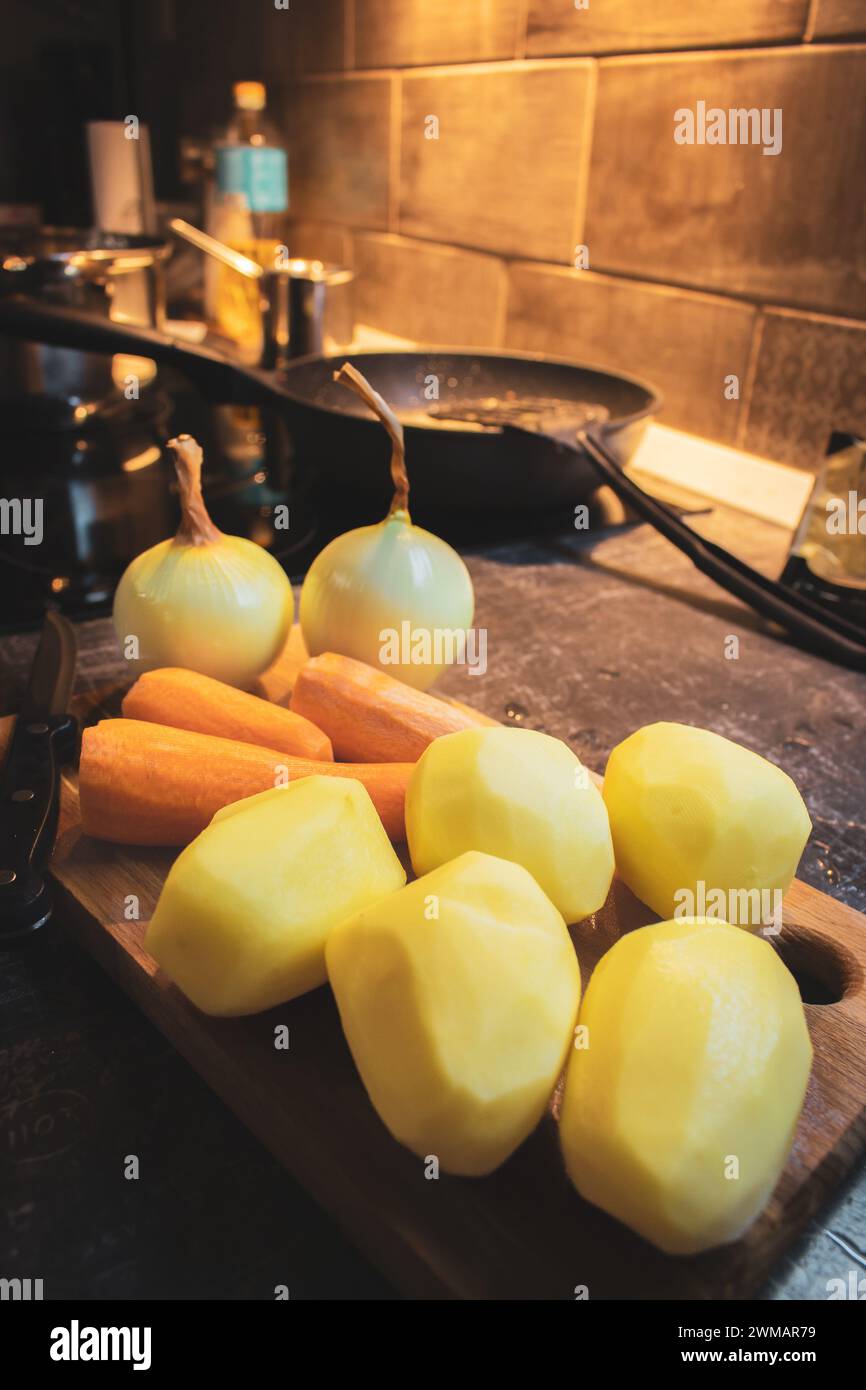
{"x":108,"y":492}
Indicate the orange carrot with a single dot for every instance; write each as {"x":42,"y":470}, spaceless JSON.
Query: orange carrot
{"x":187,"y":700}
{"x":369,"y":715}
{"x":276,"y":683}
{"x":148,"y":784}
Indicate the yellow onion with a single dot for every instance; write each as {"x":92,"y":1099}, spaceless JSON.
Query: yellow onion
{"x":212,"y":603}
{"x":393,"y":595}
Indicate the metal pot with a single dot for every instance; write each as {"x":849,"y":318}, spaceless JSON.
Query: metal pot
{"x":108,"y":275}
{"x":307,"y":306}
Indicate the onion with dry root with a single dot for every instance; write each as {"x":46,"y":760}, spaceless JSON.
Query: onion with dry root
{"x":212,"y":603}
{"x":392,"y":595}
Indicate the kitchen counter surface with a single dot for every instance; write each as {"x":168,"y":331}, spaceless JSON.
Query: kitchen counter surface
{"x":589,"y":636}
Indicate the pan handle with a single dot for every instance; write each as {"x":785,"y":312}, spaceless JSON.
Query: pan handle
{"x":806,"y":621}
{"x":21,"y":317}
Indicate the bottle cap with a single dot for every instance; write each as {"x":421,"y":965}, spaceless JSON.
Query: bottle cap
{"x":250,"y":96}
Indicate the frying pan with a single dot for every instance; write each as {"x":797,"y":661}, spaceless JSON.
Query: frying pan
{"x":454,"y":464}
{"x":454,"y":467}
{"x":484,"y":432}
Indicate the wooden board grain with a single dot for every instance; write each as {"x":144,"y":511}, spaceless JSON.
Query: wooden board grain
{"x":523,"y":1232}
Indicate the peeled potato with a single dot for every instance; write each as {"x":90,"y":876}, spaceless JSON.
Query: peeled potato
{"x":702,"y":825}
{"x":518,"y":794}
{"x":679,"y":1114}
{"x":458,"y":996}
{"x":242,"y":918}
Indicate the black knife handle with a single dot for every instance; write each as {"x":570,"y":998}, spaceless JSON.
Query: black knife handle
{"x":29,"y":810}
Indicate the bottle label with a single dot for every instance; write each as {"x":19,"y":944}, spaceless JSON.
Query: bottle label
{"x":258,"y":172}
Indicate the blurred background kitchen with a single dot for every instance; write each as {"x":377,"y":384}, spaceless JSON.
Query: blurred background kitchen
{"x":494,"y":173}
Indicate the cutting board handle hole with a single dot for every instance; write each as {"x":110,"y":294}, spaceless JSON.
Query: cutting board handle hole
{"x":823,"y":974}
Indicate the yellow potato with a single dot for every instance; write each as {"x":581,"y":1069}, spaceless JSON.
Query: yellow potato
{"x":458,"y":997}
{"x":679,"y":1114}
{"x":242,"y":918}
{"x":703,"y":826}
{"x":518,"y":794}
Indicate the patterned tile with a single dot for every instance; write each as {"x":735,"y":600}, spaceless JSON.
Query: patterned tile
{"x":810,"y":380}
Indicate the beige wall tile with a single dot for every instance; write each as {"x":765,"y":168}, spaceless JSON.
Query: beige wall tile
{"x":432,"y":294}
{"x":337,"y":131}
{"x":810,"y":379}
{"x":681,"y":342}
{"x":321,"y":241}
{"x":628,"y":26}
{"x":310,"y":36}
{"x":506,"y":171}
{"x":787,"y":228}
{"x":400,"y":33}
{"x":837,"y":19}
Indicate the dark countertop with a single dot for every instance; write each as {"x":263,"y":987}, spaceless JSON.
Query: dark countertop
{"x":589,"y":637}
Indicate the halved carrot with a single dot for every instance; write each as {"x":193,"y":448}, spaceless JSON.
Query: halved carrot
{"x":149,"y":784}
{"x":187,"y":700}
{"x":369,"y":715}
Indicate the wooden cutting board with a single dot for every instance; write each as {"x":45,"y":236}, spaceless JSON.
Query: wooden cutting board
{"x":523,"y":1232}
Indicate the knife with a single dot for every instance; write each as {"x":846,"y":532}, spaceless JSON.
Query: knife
{"x":45,"y":737}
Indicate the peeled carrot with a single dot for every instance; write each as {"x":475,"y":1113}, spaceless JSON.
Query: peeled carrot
{"x":276,"y":683}
{"x":148,"y":784}
{"x":369,"y":715}
{"x":187,"y":700}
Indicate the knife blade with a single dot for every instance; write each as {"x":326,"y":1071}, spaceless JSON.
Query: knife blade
{"x":44,"y":738}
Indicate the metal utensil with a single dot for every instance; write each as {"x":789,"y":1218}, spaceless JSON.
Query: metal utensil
{"x":76,"y":270}
{"x":44,"y":738}
{"x":465,"y":470}
{"x":317,"y":317}
{"x":226,"y":255}
{"x":301,"y":314}
{"x":810,"y":624}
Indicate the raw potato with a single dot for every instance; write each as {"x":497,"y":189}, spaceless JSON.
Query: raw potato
{"x":458,"y":997}
{"x":242,"y":919}
{"x":697,"y":1060}
{"x":518,"y":794}
{"x":694,"y":815}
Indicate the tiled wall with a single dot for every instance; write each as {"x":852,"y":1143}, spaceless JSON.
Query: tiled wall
{"x":555,"y":131}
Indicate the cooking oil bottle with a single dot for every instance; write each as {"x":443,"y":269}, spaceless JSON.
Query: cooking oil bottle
{"x":250,"y":204}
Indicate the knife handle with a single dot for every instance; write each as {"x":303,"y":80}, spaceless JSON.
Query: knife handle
{"x":29,"y":811}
